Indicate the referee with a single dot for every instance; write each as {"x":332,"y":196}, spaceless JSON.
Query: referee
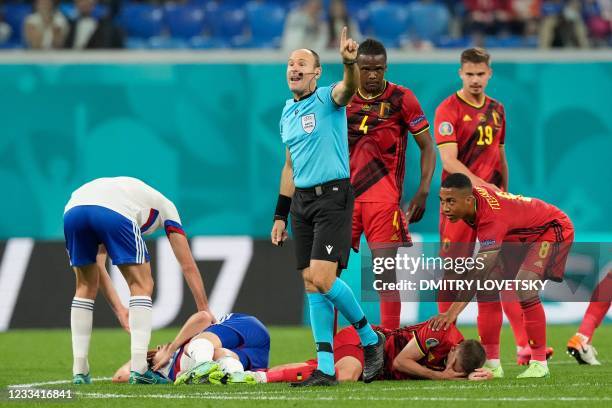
{"x":316,"y":189}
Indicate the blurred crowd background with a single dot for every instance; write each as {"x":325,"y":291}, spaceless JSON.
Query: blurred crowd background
{"x":274,"y":24}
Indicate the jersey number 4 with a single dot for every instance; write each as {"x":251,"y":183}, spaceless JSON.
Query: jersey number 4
{"x":363,"y":125}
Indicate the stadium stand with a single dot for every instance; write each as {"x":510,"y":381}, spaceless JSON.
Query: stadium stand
{"x":204,"y":24}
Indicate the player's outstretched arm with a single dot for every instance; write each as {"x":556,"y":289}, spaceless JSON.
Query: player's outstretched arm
{"x":109,"y":291}
{"x":182,"y":252}
{"x":196,"y":323}
{"x":407,"y":362}
{"x":482,"y":270}
{"x":345,"y":89}
{"x":416,"y":208}
{"x":287,"y":188}
{"x":450,"y":163}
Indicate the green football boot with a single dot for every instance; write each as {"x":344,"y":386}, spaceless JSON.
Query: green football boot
{"x":148,"y":377}
{"x":498,"y":371}
{"x":81,"y":379}
{"x":535,"y":370}
{"x":245,"y":377}
{"x":198,"y":374}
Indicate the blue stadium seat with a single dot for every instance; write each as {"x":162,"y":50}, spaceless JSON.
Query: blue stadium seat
{"x":142,"y":20}
{"x":185,"y":21}
{"x":450,"y":42}
{"x":388,"y":22}
{"x":512,"y":41}
{"x":428,"y":21}
{"x":227,"y":24}
{"x":266,"y":22}
{"x":167,"y":43}
{"x":14,"y":15}
{"x":133,"y":43}
{"x":205,"y":43}
{"x":69,"y":10}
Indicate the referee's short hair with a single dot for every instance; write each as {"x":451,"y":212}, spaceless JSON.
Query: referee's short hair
{"x":317,"y":59}
{"x":371,"y":47}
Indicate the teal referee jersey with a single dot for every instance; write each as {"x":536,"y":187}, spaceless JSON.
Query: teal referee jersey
{"x":315,"y":131}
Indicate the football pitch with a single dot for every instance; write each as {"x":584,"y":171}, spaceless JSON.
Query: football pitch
{"x":41,"y":359}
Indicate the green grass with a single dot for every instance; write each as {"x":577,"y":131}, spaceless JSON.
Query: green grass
{"x":30,"y":356}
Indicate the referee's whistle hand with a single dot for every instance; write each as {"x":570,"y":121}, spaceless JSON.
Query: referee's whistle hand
{"x":279,"y":233}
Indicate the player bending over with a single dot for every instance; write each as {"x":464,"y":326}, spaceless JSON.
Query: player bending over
{"x":113,"y":213}
{"x":203,"y":352}
{"x":542,"y":233}
{"x":411,"y":352}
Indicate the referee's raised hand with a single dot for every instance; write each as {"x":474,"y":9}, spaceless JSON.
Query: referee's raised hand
{"x":348,"y":47}
{"x":279,"y":232}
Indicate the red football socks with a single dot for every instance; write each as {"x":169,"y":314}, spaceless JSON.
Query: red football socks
{"x":514,"y":313}
{"x":390,"y":309}
{"x":534,"y":320}
{"x":489,"y":327}
{"x":293,"y":374}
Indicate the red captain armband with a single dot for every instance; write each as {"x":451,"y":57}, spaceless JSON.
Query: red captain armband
{"x":171,"y":226}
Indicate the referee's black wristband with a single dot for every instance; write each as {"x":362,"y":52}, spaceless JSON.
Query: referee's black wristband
{"x":349,"y":62}
{"x":283,"y":206}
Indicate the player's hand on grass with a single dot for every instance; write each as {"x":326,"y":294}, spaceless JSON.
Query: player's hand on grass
{"x":348,"y":47}
{"x":442,"y":321}
{"x":123,"y":315}
{"x":480,"y":374}
{"x":279,"y":232}
{"x":416,"y":208}
{"x":450,"y":374}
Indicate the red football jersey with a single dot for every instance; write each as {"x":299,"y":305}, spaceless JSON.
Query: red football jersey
{"x":504,"y":217}
{"x":478,"y":131}
{"x":435,"y":346}
{"x":377,"y":129}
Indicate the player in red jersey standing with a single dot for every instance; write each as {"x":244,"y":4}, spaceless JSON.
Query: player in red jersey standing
{"x":470,"y":129}
{"x":544,"y":235}
{"x":379,"y":117}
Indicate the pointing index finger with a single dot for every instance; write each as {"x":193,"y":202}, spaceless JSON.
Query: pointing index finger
{"x":343,"y":35}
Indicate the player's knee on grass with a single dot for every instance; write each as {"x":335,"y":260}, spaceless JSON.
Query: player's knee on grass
{"x":348,"y":369}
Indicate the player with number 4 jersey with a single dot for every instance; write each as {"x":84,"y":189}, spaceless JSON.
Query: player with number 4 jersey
{"x":379,"y":118}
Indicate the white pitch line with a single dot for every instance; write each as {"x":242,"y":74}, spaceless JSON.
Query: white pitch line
{"x":231,"y":396}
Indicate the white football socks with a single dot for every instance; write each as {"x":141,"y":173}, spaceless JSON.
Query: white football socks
{"x":493,"y":363}
{"x":141,"y":314}
{"x":81,"y":320}
{"x":229,"y":365}
{"x":201,"y":350}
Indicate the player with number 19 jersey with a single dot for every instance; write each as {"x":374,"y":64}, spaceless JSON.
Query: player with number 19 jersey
{"x":478,"y":131}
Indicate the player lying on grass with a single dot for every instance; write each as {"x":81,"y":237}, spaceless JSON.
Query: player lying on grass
{"x":412,"y":352}
{"x":204,"y":352}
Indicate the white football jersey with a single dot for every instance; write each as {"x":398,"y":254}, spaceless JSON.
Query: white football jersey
{"x":131,"y":198}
